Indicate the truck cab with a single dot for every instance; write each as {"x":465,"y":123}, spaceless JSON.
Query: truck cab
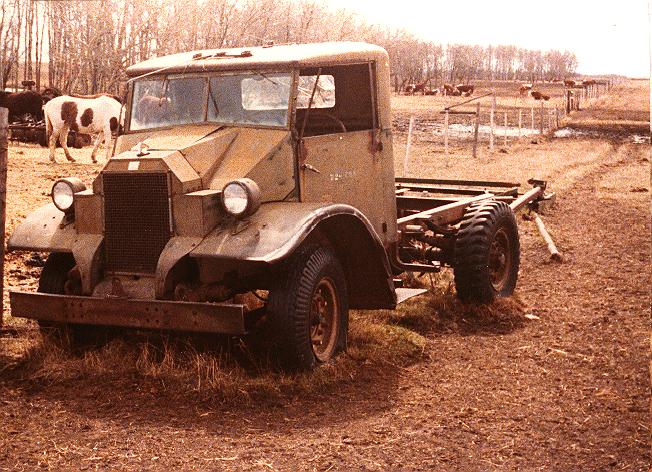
{"x":262,"y":174}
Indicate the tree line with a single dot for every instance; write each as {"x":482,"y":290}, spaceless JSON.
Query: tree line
{"x":85,"y":46}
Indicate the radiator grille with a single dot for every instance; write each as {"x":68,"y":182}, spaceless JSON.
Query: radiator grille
{"x":136,"y":220}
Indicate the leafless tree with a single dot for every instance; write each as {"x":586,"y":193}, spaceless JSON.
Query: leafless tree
{"x":86,"y":50}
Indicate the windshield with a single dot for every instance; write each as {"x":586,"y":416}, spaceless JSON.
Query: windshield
{"x":248,"y":98}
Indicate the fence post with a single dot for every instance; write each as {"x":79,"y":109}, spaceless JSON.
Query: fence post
{"x":541,"y":119}
{"x":556,"y":118}
{"x":520,"y":121}
{"x":446,"y":136}
{"x":492,"y":122}
{"x":407,"y":147}
{"x":568,"y":101}
{"x":505,"y":132}
{"x":476,"y":130}
{"x":4,"y":126}
{"x":532,"y":118}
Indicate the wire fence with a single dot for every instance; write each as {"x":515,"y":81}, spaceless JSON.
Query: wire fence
{"x":484,"y":123}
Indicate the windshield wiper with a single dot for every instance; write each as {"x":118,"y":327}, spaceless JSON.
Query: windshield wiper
{"x":266,"y":78}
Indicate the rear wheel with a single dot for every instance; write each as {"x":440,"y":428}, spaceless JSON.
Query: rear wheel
{"x":309,"y":309}
{"x":486,"y":253}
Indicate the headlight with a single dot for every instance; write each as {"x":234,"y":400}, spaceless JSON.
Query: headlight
{"x":63,"y":193}
{"x":241,"y":198}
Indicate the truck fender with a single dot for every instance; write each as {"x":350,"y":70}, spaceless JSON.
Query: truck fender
{"x":43,"y":230}
{"x":176,"y":248}
{"x":273,"y":234}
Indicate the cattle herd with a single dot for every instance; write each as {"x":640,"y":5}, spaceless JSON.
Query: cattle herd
{"x":445,"y":90}
{"x":524,"y":89}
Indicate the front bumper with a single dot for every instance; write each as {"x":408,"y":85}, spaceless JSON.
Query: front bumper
{"x":154,"y":314}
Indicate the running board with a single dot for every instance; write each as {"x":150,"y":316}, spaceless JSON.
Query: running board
{"x":403,"y":294}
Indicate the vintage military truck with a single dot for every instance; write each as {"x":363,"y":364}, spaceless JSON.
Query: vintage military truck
{"x":265,"y":171}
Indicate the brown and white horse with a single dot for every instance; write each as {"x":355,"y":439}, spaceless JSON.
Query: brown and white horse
{"x":97,"y":115}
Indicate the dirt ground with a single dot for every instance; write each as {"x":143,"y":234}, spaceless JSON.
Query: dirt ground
{"x":555,"y":379}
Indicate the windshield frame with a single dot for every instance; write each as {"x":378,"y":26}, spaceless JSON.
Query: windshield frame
{"x":207,"y":76}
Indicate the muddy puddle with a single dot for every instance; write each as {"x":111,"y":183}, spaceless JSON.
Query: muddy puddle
{"x":569,"y":132}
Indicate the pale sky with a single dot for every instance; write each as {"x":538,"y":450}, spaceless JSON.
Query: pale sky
{"x":607,"y":36}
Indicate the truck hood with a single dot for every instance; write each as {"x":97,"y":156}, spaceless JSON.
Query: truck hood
{"x":210,"y":156}
{"x":169,"y":139}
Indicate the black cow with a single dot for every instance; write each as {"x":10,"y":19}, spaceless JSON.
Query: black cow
{"x":22,"y":106}
{"x":539,"y":96}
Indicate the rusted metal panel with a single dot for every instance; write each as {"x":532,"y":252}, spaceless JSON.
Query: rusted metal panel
{"x":89,"y":212}
{"x":275,"y":173}
{"x":154,"y":314}
{"x":196,"y":213}
{"x":331,"y":172}
{"x":212,"y":157}
{"x":87,"y":249}
{"x":446,"y":213}
{"x":206,"y":154}
{"x":273,"y":232}
{"x":168,"y":139}
{"x":183,"y":177}
{"x":252,"y":58}
{"x":43,"y":230}
{"x":250,"y":147}
{"x":174,"y":250}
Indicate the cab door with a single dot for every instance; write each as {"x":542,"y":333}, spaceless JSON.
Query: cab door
{"x":343,"y":156}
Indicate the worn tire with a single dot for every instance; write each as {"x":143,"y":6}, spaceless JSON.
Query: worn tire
{"x":52,"y":280}
{"x":308,"y":307}
{"x":486,"y":253}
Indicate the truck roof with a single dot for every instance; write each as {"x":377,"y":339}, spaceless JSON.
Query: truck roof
{"x":261,"y":57}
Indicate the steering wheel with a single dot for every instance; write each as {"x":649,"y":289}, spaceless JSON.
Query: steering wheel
{"x":331,"y":117}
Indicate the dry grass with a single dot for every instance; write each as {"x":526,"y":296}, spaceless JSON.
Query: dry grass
{"x":209,"y":368}
{"x":439,"y":312}
{"x":219,"y":369}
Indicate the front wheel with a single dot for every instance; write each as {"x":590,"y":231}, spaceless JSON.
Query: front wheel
{"x":486,"y":253}
{"x":54,"y":278}
{"x":309,"y":309}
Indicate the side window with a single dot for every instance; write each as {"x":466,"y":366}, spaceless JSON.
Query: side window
{"x":324,"y":93}
{"x":342,"y":102}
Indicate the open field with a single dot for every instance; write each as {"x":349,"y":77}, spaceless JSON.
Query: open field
{"x":515,"y":116}
{"x":555,"y":378}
